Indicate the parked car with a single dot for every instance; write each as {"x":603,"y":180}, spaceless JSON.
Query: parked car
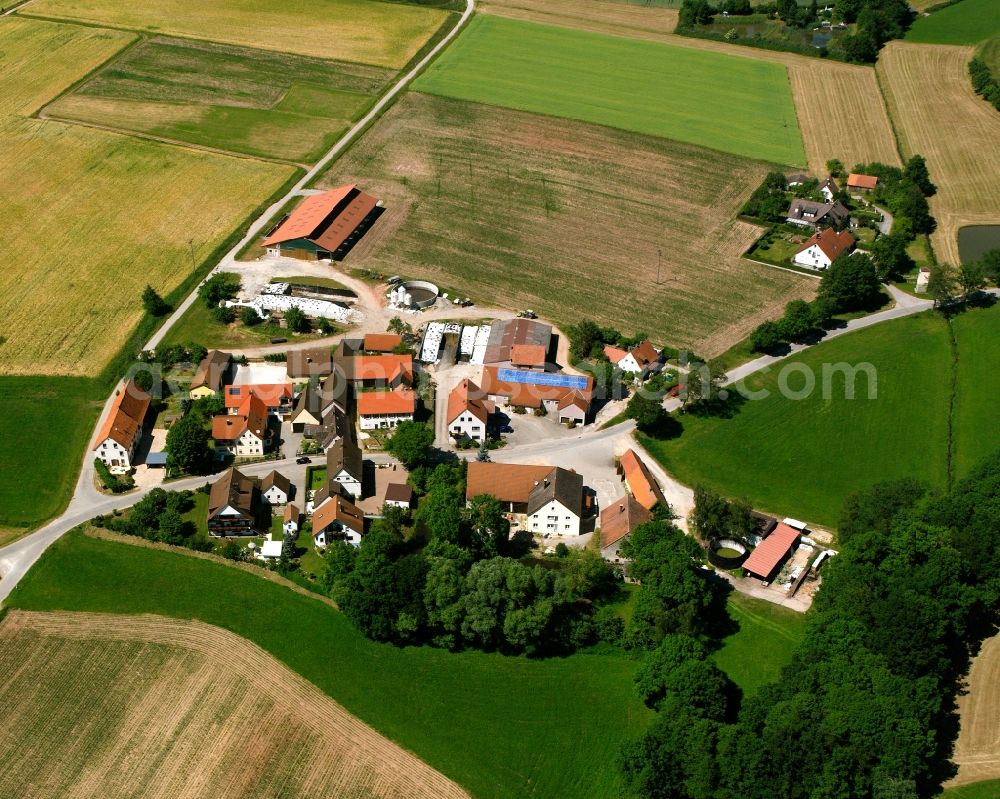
{"x":302,"y":459}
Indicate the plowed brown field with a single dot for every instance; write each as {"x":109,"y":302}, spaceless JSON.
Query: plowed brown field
{"x":144,"y":706}
{"x":939,"y":116}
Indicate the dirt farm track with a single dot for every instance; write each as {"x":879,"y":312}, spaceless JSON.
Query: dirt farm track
{"x":143,"y":706}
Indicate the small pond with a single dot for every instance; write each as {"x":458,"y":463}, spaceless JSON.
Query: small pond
{"x":975,"y":240}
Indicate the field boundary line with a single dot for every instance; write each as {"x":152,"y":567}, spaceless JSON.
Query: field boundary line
{"x":142,"y":543}
{"x":782,"y":268}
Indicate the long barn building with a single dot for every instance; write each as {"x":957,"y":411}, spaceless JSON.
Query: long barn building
{"x":325,"y":225}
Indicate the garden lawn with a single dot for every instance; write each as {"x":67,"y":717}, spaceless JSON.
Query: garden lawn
{"x":768,"y":635}
{"x":45,"y":426}
{"x":977,"y":388}
{"x":729,"y":103}
{"x":801,"y":458}
{"x":500,"y":726}
{"x":966,"y":22}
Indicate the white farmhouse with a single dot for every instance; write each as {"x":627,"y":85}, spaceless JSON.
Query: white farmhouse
{"x":246,"y":433}
{"x":120,"y":434}
{"x":823,"y":248}
{"x":344,"y":465}
{"x":290,"y":521}
{"x":275,"y":488}
{"x":555,"y":504}
{"x":640,"y":359}
{"x":468,"y":412}
{"x":337,"y":519}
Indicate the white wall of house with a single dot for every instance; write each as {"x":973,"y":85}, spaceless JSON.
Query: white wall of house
{"x":466,"y":424}
{"x":629,"y":364}
{"x":247,"y":445}
{"x":113,"y":454}
{"x":554,"y":518}
{"x":335,"y":531}
{"x":290,"y":527}
{"x":351,"y":484}
{"x":812,"y":258}
{"x":571,"y":413}
{"x":275,"y":496}
{"x":383,"y":421}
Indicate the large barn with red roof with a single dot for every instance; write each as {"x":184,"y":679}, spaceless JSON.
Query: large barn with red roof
{"x":325,"y":225}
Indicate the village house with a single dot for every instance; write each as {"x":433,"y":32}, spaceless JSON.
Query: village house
{"x":639,"y":481}
{"x":398,"y":495}
{"x":508,"y":334}
{"x":469,"y":412}
{"x":291,"y":519}
{"x":566,"y":398}
{"x":797,"y":179}
{"x":302,"y":365}
{"x":808,"y":213}
{"x":121,"y":432}
{"x":639,"y":360}
{"x":823,"y":248}
{"x":381,"y":342}
{"x":549,"y":500}
{"x":617,"y":522}
{"x":214,"y":371}
{"x":377,"y":371}
{"x":337,"y":519}
{"x":270,"y":550}
{"x":320,"y":404}
{"x":233,"y":505}
{"x":275,"y":488}
{"x":277,"y":397}
{"x":529,"y":356}
{"x":861,"y":184}
{"x":383,"y":410}
{"x":245,"y":434}
{"x":829,"y":189}
{"x":325,"y":226}
{"x":345,"y":465}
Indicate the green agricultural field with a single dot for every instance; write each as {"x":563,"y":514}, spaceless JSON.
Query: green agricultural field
{"x":45,"y":426}
{"x":966,"y":22}
{"x":801,"y":458}
{"x":767,"y":636}
{"x":977,"y":790}
{"x":729,"y":103}
{"x":500,"y":726}
{"x":272,"y":105}
{"x":977,"y":387}
{"x":366,"y":31}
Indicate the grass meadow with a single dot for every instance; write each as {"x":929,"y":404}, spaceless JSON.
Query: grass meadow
{"x":366,"y":31}
{"x":272,"y":105}
{"x":502,"y":206}
{"x":967,"y":22}
{"x":977,"y":387}
{"x":768,"y":635}
{"x":977,"y":790}
{"x":801,"y":458}
{"x":45,"y":426}
{"x":499,"y":726}
{"x":729,"y":103}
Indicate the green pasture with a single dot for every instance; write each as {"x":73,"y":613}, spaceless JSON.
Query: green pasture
{"x":976,"y":790}
{"x":729,"y":103}
{"x":966,"y":22}
{"x":500,"y":726}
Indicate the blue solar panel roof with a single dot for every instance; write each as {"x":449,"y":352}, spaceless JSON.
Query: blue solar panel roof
{"x":542,"y":378}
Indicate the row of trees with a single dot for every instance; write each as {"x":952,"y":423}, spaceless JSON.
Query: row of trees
{"x":158,"y":516}
{"x":866,"y":707}
{"x":984,"y":83}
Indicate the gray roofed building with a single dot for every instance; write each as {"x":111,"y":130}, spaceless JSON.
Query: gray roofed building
{"x":276,"y":488}
{"x":510,"y":333}
{"x":303,"y":364}
{"x":345,"y":464}
{"x":555,"y":503}
{"x":813,"y":214}
{"x":211,"y":375}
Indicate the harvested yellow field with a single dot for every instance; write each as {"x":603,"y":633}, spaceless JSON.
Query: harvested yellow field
{"x":366,"y":31}
{"x":600,"y":16}
{"x":38,"y":60}
{"x":977,"y":751}
{"x":117,"y":707}
{"x":91,"y":217}
{"x":938,"y":115}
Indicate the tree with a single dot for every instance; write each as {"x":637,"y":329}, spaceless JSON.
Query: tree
{"x":851,"y":283}
{"x":703,"y":387}
{"x":941,"y":284}
{"x":171,"y":527}
{"x":916,"y":170}
{"x":798,"y":323}
{"x":234,"y":550}
{"x":652,"y":678}
{"x":397,"y":326}
{"x":440,"y":515}
{"x":991,"y":265}
{"x":835,"y":167}
{"x":486,"y":517}
{"x":647,"y":411}
{"x":296,"y":321}
{"x":972,"y":278}
{"x":249,"y":316}
{"x":220,"y":286}
{"x":587,"y":574}
{"x":153,"y":303}
{"x":224,"y":315}
{"x":766,"y":337}
{"x":411,"y":443}
{"x":187,"y":446}
{"x":823,"y":311}
{"x":890,"y":256}
{"x":876,"y":509}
